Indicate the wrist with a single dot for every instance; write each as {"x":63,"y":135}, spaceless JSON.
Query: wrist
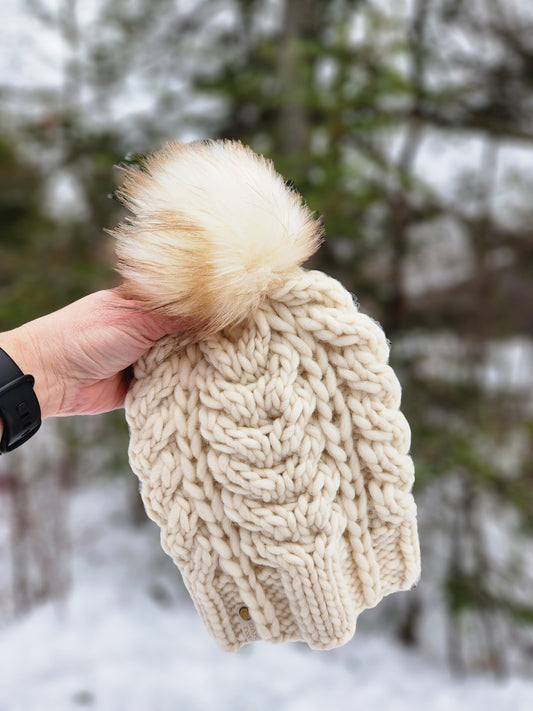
{"x":22,"y":345}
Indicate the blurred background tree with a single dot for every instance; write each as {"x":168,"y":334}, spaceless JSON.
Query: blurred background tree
{"x":406,"y":125}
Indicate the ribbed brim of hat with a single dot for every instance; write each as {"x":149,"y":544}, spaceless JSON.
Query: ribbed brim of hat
{"x":314,"y":597}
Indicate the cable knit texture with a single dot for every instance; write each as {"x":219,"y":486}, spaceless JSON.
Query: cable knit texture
{"x":271,"y":452}
{"x":275,"y":460}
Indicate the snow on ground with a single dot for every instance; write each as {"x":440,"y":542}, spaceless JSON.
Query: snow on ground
{"x":128,"y":639}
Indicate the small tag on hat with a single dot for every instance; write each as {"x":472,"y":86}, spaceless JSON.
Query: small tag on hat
{"x":248,"y":625}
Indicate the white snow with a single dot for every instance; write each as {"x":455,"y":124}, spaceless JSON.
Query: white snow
{"x":128,"y":639}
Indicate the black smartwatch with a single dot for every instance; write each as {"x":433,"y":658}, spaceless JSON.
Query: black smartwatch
{"x":19,"y":407}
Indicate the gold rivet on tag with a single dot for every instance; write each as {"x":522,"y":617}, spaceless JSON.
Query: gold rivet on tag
{"x":244,"y":613}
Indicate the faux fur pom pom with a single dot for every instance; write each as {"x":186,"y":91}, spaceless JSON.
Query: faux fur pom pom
{"x":214,"y":229}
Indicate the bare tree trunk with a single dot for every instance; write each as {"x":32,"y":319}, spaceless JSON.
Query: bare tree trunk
{"x":299,"y":23}
{"x":454,"y":641}
{"x":64,"y":481}
{"x":20,"y":554}
{"x":399,"y":208}
{"x":72,"y":75}
{"x":495,"y":655}
{"x":407,"y":630}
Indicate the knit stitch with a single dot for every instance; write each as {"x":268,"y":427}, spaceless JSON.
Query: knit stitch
{"x":274,"y":458}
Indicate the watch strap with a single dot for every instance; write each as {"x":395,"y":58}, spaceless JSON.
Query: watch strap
{"x":19,"y":407}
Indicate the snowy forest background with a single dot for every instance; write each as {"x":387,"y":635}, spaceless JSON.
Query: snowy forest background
{"x":407,"y":125}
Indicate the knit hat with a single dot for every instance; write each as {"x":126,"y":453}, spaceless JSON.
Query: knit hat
{"x":267,"y":439}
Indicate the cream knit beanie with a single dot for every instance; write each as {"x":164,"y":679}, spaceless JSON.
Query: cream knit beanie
{"x":267,"y":439}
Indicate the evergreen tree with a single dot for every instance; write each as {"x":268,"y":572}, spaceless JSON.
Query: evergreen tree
{"x":342,"y":96}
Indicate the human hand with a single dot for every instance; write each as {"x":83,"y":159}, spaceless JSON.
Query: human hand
{"x":78,"y":354}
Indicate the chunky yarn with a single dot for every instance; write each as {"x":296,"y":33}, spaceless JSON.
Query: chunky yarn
{"x":274,"y":458}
